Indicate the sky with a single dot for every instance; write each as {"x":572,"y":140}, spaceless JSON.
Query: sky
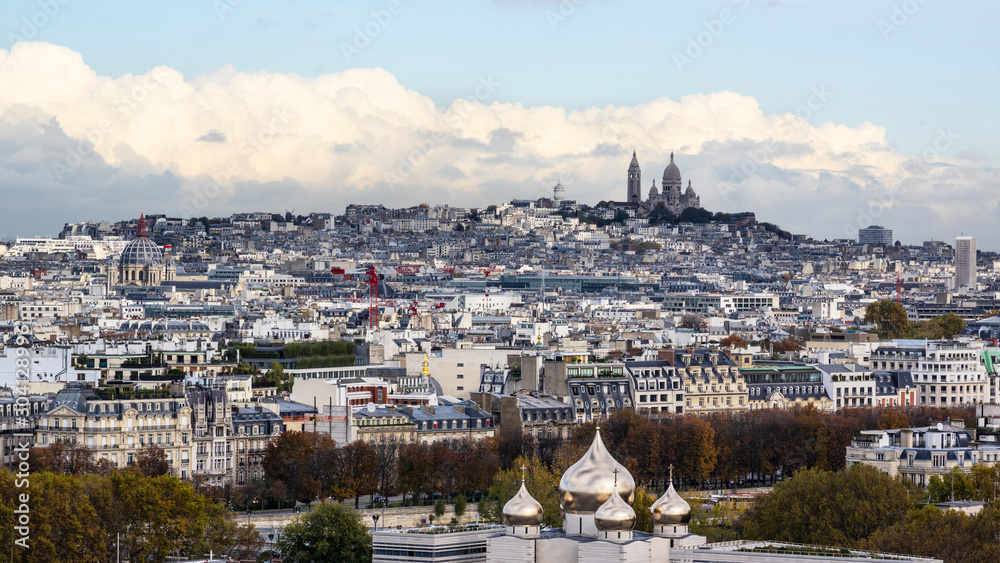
{"x":821,"y":116}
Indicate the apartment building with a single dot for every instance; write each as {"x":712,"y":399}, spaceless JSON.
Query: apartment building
{"x":117,"y":428}
{"x":849,"y":385}
{"x":785,"y":387}
{"x":917,"y":454}
{"x":711,"y":380}
{"x":657,"y":387}
{"x":946,"y":372}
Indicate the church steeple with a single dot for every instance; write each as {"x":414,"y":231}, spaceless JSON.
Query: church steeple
{"x":634,"y":194}
{"x":141,"y":228}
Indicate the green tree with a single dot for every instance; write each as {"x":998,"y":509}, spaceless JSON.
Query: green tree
{"x":439,"y":508}
{"x":460,"y":504}
{"x":542,"y":484}
{"x":950,"y":323}
{"x":276,"y":376}
{"x":641,"y":506}
{"x":825,"y":508}
{"x":459,"y":228}
{"x":888,"y":316}
{"x":941,"y":488}
{"x":951,"y":536}
{"x":329,"y":532}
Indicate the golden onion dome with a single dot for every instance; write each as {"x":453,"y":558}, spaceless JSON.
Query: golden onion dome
{"x":590,"y":482}
{"x":522,"y":510}
{"x":671,"y":509}
{"x":615,"y":515}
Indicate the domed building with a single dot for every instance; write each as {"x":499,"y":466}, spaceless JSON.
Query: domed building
{"x":595,"y":495}
{"x":671,"y":193}
{"x":141,"y":262}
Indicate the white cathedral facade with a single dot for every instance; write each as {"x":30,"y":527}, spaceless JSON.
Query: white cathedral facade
{"x":671,"y":194}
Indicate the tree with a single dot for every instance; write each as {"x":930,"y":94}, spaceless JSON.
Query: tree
{"x":386,"y":466}
{"x":951,"y":536}
{"x":695,"y":215}
{"x":439,"y":508}
{"x":460,"y":504}
{"x":415,"y":464}
{"x":732,"y":342}
{"x":359,"y":464}
{"x":693,"y":322}
{"x":695,"y":448}
{"x":329,"y":532}
{"x":152,"y":461}
{"x":459,"y":228}
{"x":950,"y":323}
{"x":825,"y":508}
{"x":889,"y":317}
{"x":790,"y":344}
{"x":302,"y":462}
{"x":276,"y":376}
{"x":956,"y":482}
{"x":542,"y":484}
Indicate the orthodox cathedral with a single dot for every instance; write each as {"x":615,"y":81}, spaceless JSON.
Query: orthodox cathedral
{"x":595,"y":494}
{"x":670,"y":193}
{"x":595,"y":498}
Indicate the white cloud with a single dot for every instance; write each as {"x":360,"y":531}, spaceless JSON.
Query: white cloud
{"x":359,"y":135}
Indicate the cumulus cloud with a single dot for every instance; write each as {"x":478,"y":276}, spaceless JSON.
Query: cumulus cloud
{"x":230,"y":140}
{"x":213,"y":136}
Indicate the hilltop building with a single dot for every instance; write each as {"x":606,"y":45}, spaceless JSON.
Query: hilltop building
{"x":671,"y":194}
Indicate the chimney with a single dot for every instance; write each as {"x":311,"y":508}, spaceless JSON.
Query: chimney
{"x":459,"y":408}
{"x":429,"y":409}
{"x":906,"y":438}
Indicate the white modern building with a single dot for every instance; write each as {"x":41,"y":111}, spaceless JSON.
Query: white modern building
{"x":946,"y":372}
{"x":849,"y":385}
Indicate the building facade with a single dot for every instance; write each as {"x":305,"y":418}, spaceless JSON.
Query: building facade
{"x":965,"y":262}
{"x":875,"y":235}
{"x":946,"y":372}
{"x":672,"y":195}
{"x":117,"y":429}
{"x":917,"y":454}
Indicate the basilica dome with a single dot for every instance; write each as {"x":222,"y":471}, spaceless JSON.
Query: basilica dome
{"x":590,"y":482}
{"x":671,"y":509}
{"x":142,"y":252}
{"x":522,"y":510}
{"x":671,"y":172}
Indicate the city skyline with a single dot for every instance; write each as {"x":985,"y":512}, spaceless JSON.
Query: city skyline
{"x":287,"y":106}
